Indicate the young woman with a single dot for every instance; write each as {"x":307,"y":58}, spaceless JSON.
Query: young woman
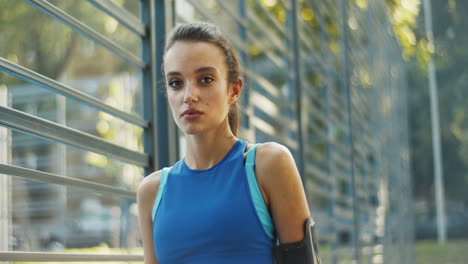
{"x":226,"y":201}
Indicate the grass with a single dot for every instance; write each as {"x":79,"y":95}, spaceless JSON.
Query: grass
{"x":430,"y":252}
{"x":426,"y":252}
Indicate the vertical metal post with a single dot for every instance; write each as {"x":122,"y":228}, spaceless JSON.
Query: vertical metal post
{"x":5,"y":180}
{"x":330,"y":170}
{"x":404,"y":183}
{"x":149,"y":85}
{"x":297,"y":82}
{"x":61,"y":169}
{"x":436,"y":145}
{"x":375,"y":123}
{"x":396,"y":174}
{"x":409,"y":181}
{"x":347,"y":88}
{"x":241,"y":30}
{"x":158,"y":29}
{"x":155,"y":108}
{"x":330,"y":131}
{"x":244,"y":57}
{"x":173,"y":133}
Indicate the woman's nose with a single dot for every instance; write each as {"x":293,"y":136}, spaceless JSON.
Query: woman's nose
{"x":191,"y":94}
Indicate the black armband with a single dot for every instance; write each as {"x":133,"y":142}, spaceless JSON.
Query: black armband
{"x":302,"y":252}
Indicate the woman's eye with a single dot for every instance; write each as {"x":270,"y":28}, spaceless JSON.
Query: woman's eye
{"x":174,"y":83}
{"x":206,"y":80}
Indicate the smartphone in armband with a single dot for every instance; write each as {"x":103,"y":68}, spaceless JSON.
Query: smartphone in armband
{"x":311,"y":241}
{"x":302,"y":252}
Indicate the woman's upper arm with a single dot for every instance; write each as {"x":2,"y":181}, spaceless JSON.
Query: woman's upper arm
{"x":277,"y":174}
{"x":146,"y":196}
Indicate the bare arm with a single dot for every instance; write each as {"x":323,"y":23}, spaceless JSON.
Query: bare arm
{"x":282,"y":187}
{"x":146,"y":196}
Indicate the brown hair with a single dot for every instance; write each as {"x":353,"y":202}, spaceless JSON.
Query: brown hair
{"x":212,"y":34}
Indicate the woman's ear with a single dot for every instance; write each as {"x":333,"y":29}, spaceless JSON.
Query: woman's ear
{"x":236,"y":90}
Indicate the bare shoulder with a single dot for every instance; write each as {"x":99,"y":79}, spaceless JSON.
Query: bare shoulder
{"x":275,"y":168}
{"x":272,"y":155}
{"x":148,"y":188}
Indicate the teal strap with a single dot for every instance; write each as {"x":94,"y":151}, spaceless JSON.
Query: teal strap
{"x":257,"y":197}
{"x":162,"y":185}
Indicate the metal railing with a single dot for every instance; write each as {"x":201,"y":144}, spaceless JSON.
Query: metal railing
{"x":153,"y":122}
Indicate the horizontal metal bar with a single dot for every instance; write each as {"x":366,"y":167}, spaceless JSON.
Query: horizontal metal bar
{"x":243,"y":22}
{"x":290,"y":143}
{"x":286,"y":4}
{"x":342,"y":224}
{"x":63,"y":180}
{"x":345,"y":211}
{"x":240,"y":44}
{"x":272,"y":37}
{"x":319,"y":17}
{"x":266,"y":105}
{"x":254,"y":21}
{"x":264,"y":83}
{"x":65,"y":257}
{"x":340,"y":155}
{"x":318,"y":189}
{"x":270,"y":17}
{"x":325,"y":6}
{"x":315,"y":54}
{"x":318,"y":172}
{"x":120,"y":14}
{"x":232,"y":14}
{"x":36,"y":78}
{"x":37,"y":126}
{"x":270,"y":55}
{"x":263,"y":125}
{"x":236,"y":41}
{"x":86,"y":31}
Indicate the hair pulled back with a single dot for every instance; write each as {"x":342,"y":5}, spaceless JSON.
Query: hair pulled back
{"x":210,"y":33}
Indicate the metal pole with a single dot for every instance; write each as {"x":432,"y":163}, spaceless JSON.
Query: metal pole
{"x":149,"y":85}
{"x":155,"y":109}
{"x":330,"y":130}
{"x":348,"y":94}
{"x":173,"y":132}
{"x":5,"y":180}
{"x":61,"y":169}
{"x":247,"y":129}
{"x":409,"y":180}
{"x":437,"y":148}
{"x":298,"y":89}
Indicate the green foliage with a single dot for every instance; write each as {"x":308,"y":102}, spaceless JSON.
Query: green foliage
{"x":39,"y":42}
{"x":449,"y":23}
{"x":30,"y":43}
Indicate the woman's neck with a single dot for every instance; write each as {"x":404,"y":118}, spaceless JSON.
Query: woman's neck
{"x":207,"y":149}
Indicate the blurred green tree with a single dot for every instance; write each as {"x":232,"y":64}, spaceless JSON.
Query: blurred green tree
{"x":450,"y":56}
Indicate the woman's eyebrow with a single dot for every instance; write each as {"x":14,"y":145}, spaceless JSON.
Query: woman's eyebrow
{"x":206,"y":69}
{"x":201,"y":69}
{"x":173,"y":74}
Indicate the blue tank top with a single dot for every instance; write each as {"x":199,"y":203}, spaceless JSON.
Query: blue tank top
{"x":211,"y":216}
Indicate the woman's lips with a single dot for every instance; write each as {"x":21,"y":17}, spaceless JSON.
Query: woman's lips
{"x":191,"y":114}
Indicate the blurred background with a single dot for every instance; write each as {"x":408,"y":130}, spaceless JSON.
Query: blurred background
{"x":345,"y":84}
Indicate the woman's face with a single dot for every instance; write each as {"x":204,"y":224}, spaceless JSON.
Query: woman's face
{"x":197,"y":86}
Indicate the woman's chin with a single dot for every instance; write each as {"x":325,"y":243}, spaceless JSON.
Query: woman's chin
{"x":191,"y":131}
